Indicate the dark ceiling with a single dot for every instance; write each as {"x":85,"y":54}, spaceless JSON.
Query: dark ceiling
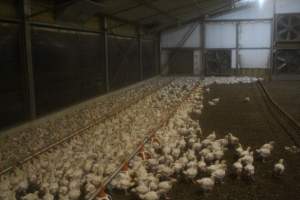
{"x":156,"y":15}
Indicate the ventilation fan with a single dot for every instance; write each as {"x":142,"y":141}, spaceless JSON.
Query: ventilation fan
{"x":288,"y":27}
{"x":218,"y":62}
{"x":288,"y":61}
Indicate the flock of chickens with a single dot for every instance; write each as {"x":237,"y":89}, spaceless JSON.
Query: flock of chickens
{"x":229,"y":80}
{"x":17,"y":144}
{"x":76,"y":169}
{"x":177,"y":152}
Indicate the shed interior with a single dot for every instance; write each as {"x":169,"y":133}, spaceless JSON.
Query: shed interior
{"x":124,"y":70}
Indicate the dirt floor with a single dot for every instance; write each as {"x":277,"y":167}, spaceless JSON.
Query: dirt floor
{"x":254,"y":125}
{"x":287,"y":95}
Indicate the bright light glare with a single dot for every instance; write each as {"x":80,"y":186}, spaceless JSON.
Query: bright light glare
{"x":261,"y":3}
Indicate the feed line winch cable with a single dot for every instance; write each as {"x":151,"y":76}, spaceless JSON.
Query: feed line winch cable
{"x":269,"y":100}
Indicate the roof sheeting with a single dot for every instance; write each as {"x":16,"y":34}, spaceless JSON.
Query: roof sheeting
{"x":159,"y":14}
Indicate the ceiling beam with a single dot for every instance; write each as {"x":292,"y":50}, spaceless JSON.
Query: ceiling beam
{"x":65,"y":4}
{"x":186,"y":6}
{"x":153,"y":7}
{"x":171,"y":10}
{"x":126,"y":9}
{"x":153,"y":15}
{"x":224,"y":8}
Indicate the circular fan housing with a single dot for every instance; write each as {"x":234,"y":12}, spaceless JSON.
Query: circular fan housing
{"x":288,"y":61}
{"x":288,"y":27}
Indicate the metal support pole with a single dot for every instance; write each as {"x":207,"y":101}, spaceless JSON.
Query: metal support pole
{"x":159,"y":54}
{"x":237,"y":48}
{"x":202,"y":36}
{"x":106,"y":55}
{"x":273,"y":41}
{"x":140,"y":49}
{"x":27,"y":59}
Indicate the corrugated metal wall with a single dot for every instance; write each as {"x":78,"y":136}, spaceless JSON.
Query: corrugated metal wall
{"x":149,"y":58}
{"x":170,"y":38}
{"x":123,"y":61}
{"x":220,"y":35}
{"x":68,"y":67}
{"x":68,"y":60}
{"x":254,"y":28}
{"x":12,"y":97}
{"x":255,"y":34}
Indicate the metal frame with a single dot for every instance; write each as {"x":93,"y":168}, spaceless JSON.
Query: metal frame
{"x":237,"y":47}
{"x":202,"y":17}
{"x":238,"y":20}
{"x":153,"y":7}
{"x":278,"y":44}
{"x":159,"y":51}
{"x":272,"y":41}
{"x":26,"y":24}
{"x":206,"y":63}
{"x":202,"y":38}
{"x":27,"y":58}
{"x":181,"y":42}
{"x":276,"y":16}
{"x":107,"y":81}
{"x":140,"y":53}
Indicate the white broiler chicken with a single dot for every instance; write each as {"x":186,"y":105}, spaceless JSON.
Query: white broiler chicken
{"x":265,"y":151}
{"x":238,"y":168}
{"x":216,"y":100}
{"x":239,"y":149}
{"x":249,"y":171}
{"x":150,"y":196}
{"x":269,"y":145}
{"x":141,"y":189}
{"x":248,"y":158}
{"x":246,"y":99}
{"x":48,"y":196}
{"x":211,"y":103}
{"x":207,"y":184}
{"x":191,"y":172}
{"x":212,"y":136}
{"x":243,"y":153}
{"x":74,"y":194}
{"x":197,"y":146}
{"x":233,"y":140}
{"x":202,"y":165}
{"x":219,"y":175}
{"x":217,"y":165}
{"x":31,"y":196}
{"x":165,"y":186}
{"x":279,"y":167}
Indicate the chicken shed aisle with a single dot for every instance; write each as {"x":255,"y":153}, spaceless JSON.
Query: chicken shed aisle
{"x":254,"y":125}
{"x":240,"y":109}
{"x":184,"y":160}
